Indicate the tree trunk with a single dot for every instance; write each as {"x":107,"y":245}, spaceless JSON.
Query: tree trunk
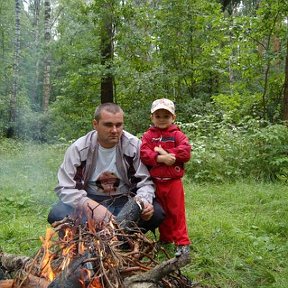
{"x":267,"y":69}
{"x":36,"y":25}
{"x":47,"y":59}
{"x":13,"y":101}
{"x":285,"y":96}
{"x":107,"y":56}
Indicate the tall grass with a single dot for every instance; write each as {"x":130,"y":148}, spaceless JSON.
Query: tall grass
{"x":238,"y":230}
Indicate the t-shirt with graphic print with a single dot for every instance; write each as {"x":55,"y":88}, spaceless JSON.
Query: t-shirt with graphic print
{"x":105,"y":180}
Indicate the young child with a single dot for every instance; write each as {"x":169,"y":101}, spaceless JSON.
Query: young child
{"x":165,"y":149}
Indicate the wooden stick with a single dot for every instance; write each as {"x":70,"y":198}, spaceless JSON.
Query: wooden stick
{"x":155,"y":274}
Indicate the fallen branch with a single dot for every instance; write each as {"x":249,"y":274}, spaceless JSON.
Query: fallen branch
{"x":12,"y":262}
{"x":149,"y":278}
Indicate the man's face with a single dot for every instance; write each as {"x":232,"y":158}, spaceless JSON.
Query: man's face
{"x":109,"y":128}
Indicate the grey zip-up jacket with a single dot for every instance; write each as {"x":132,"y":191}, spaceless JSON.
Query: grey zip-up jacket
{"x":79,"y":164}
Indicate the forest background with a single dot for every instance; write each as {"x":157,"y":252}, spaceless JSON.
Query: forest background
{"x":225,"y":65}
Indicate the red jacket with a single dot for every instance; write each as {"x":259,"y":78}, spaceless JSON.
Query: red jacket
{"x":173,"y":140}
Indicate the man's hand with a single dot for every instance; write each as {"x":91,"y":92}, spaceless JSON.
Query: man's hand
{"x":98,"y":212}
{"x":147,"y":211}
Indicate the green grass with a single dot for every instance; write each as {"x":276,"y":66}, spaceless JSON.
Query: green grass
{"x":28,"y":176}
{"x":238,"y":231}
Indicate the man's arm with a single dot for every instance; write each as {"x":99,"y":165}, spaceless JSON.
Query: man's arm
{"x":70,"y":195}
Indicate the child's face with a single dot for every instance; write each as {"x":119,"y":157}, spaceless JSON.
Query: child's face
{"x":162,"y":118}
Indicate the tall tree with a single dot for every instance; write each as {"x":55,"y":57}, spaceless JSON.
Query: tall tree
{"x":285,"y":94}
{"x":13,"y":101}
{"x":47,"y":59}
{"x":36,"y":6}
{"x":7,"y":29}
{"x":106,"y":46}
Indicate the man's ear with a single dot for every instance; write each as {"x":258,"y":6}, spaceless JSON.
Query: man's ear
{"x":95,"y":124}
{"x":174,"y":118}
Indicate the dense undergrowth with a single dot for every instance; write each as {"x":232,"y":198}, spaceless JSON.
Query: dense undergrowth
{"x":252,"y":149}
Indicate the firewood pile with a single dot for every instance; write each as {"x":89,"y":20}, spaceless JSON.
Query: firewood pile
{"x":76,"y":255}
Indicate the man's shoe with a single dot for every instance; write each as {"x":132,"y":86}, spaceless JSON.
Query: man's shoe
{"x":182,"y":249}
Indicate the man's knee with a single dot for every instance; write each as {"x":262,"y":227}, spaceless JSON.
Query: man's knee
{"x":58,"y":212}
{"x":159,"y":214}
{"x":156,"y":219}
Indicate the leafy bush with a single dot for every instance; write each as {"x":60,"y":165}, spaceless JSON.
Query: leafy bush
{"x":252,"y":149}
{"x":10,"y":146}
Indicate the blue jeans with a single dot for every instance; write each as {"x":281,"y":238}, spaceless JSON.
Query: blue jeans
{"x":114,"y":204}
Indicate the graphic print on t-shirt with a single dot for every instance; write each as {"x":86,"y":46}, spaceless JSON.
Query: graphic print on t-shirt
{"x":107,"y":182}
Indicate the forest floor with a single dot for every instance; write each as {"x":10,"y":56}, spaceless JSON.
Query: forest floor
{"x":238,"y":230}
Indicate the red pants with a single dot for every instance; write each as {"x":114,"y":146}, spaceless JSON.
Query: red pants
{"x":170,"y":194}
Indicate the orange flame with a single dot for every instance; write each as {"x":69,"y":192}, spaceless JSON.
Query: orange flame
{"x":91,"y":224}
{"x":46,"y":269}
{"x":69,"y":248}
{"x":95,"y":283}
{"x":85,"y":274}
{"x":81,"y":248}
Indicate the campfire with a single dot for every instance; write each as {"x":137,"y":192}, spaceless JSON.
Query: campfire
{"x":94,"y":255}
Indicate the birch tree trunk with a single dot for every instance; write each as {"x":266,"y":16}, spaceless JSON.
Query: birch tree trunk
{"x":36,"y":23}
{"x":13,"y":100}
{"x":47,"y":57}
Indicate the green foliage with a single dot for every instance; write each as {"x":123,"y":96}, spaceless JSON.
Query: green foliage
{"x":10,"y":146}
{"x":188,"y":51}
{"x":68,"y":122}
{"x":250,"y":150}
{"x":237,"y":106}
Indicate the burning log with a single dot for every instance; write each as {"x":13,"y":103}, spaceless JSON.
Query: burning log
{"x":98,"y":256}
{"x":12,"y":262}
{"x":6,"y":283}
{"x":30,"y":282}
{"x":71,"y":276}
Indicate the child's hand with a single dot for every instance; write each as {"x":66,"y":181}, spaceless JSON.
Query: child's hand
{"x":168,"y":159}
{"x":160,"y":150}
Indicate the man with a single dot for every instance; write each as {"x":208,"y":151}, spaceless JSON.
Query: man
{"x":102,"y":170}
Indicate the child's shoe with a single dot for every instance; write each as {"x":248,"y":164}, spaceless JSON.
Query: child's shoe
{"x":182,"y":249}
